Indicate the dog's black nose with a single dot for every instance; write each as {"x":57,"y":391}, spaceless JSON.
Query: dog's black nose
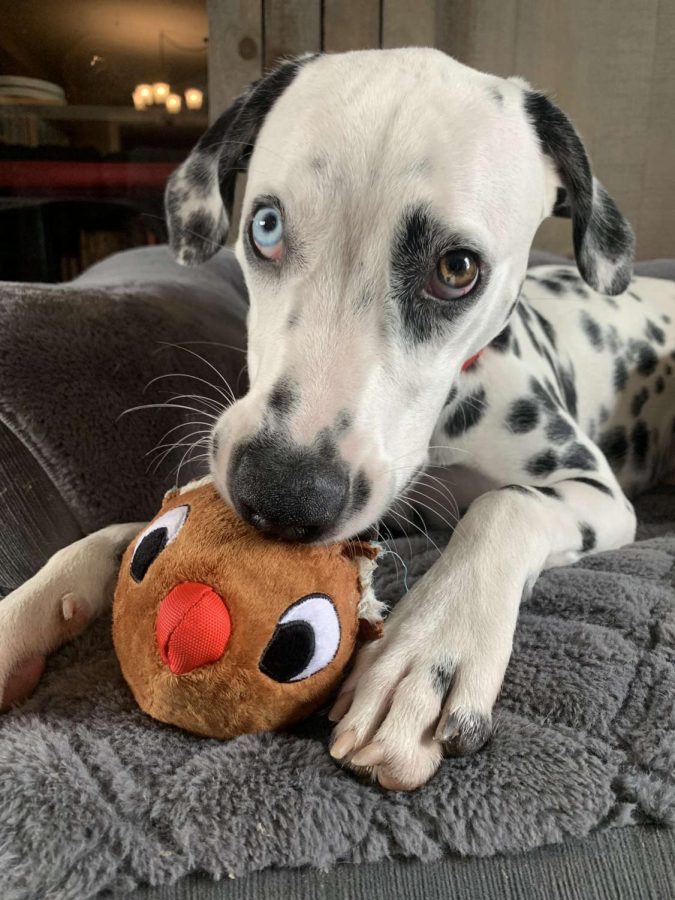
{"x":295,"y":493}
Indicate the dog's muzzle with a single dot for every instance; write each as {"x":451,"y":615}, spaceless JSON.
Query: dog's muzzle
{"x":295,"y":493}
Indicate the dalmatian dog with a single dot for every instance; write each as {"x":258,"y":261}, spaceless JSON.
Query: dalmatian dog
{"x":394,"y":331}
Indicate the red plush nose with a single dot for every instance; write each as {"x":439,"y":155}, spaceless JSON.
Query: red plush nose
{"x":193,"y":627}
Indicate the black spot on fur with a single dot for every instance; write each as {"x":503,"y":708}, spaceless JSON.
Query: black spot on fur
{"x":516,"y":348}
{"x":547,"y":491}
{"x":553,"y":286}
{"x":441,"y":679}
{"x":665,"y":318}
{"x":283,"y":397}
{"x":502,"y":341}
{"x":534,"y":340}
{"x":659,"y":385}
{"x":566,"y":378}
{"x":452,"y":394}
{"x":613,"y":340}
{"x":567,"y":273}
{"x":640,"y":441}
{"x":644,"y":356}
{"x":468,"y":413}
{"x":634,"y":296}
{"x":591,"y":482}
{"x":496,"y":95}
{"x":523,"y":416}
{"x":588,"y":537}
{"x":293,"y":320}
{"x":543,"y":463}
{"x":542,"y":394}
{"x":559,"y":430}
{"x":581,"y":292}
{"x":614,"y":445}
{"x":620,"y":374}
{"x":343,"y":421}
{"x":639,"y":401}
{"x":546,"y":327}
{"x":592,"y":330}
{"x":579,"y":457}
{"x":655,"y":332}
{"x":360,"y":491}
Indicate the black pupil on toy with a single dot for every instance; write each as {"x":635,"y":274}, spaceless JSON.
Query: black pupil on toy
{"x":289,"y":652}
{"x":147,"y":552}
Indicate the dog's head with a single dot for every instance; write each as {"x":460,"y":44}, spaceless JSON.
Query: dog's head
{"x":391,"y":202}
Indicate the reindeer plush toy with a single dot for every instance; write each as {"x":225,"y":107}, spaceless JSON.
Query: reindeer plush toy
{"x":222,"y":631}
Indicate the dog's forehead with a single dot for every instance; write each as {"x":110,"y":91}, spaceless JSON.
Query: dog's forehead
{"x":414,"y":125}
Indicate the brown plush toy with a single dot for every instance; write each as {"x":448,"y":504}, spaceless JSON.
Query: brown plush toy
{"x":222,"y":631}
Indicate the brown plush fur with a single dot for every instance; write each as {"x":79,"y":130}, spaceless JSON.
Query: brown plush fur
{"x":258,"y":579}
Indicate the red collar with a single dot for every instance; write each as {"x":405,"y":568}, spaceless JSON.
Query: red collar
{"x":470,"y":361}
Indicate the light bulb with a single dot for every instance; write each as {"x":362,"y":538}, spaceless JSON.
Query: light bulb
{"x":160,"y":91}
{"x":194,"y":98}
{"x":144,"y":92}
{"x":173,"y":103}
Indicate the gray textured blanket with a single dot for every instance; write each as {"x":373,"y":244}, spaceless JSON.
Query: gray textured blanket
{"x":94,"y":795}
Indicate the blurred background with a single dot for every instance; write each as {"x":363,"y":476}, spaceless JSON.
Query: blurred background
{"x":100,"y":99}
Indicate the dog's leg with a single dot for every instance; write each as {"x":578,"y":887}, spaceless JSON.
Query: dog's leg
{"x":429,"y":684}
{"x":75,"y":586}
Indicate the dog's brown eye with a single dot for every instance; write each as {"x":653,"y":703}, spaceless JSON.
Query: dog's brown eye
{"x":456,"y":273}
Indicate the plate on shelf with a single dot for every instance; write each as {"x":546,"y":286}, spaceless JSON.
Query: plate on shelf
{"x":20,"y":89}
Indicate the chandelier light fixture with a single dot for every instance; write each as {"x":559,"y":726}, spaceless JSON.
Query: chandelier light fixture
{"x":160,"y":93}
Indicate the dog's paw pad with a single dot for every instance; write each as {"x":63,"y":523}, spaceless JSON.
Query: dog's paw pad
{"x":461,"y":733}
{"x":22,"y":682}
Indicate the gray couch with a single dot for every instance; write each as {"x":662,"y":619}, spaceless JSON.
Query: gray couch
{"x":72,"y":359}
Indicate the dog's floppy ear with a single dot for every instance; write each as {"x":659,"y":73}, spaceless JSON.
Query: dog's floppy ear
{"x":199,"y":195}
{"x":603,"y":240}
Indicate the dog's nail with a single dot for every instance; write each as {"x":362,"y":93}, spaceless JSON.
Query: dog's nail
{"x":372,"y":755}
{"x":340,"y":707}
{"x":343,"y":744}
{"x":447,"y":728}
{"x":68,"y":606}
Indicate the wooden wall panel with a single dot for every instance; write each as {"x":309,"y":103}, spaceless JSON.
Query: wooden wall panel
{"x":291,"y":27}
{"x":408,"y":23}
{"x":595,"y":59}
{"x":655,"y":220}
{"x":350,"y":26}
{"x":481,"y":34}
{"x":235,"y":50}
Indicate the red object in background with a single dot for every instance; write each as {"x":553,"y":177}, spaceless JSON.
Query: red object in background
{"x":193,"y":627}
{"x":29,"y":175}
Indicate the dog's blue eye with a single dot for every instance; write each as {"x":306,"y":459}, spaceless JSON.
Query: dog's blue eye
{"x":267,"y":230}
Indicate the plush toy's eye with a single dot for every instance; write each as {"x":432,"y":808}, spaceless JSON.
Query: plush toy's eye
{"x":305,"y":640}
{"x":156,"y":537}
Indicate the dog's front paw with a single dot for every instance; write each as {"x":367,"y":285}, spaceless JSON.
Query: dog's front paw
{"x":33,"y":622}
{"x":412,"y":697}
